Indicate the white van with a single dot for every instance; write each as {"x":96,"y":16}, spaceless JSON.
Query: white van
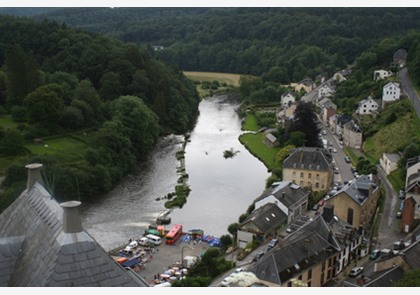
{"x":155,"y":240}
{"x":144,"y":241}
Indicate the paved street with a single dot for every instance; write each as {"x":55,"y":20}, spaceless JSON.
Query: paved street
{"x":408,"y":89}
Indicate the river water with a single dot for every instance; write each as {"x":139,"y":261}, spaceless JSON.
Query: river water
{"x":221,"y":188}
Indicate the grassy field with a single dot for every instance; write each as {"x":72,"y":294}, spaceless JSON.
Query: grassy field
{"x":393,"y":137}
{"x":229,"y":79}
{"x":256,"y":146}
{"x":7,"y":123}
{"x":250,"y":123}
{"x":65,"y":148}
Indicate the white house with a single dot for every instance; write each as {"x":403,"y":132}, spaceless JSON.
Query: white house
{"x":391,"y":92}
{"x":389,"y":162}
{"x":381,"y":74}
{"x":325,"y":90}
{"x":367,"y":106}
{"x":287,"y":99}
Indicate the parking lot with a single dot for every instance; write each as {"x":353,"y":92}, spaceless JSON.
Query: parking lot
{"x":166,"y":257}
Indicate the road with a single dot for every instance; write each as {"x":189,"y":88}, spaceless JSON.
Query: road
{"x":408,"y":89}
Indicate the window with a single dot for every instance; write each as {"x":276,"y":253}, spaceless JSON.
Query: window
{"x":316,"y":185}
{"x":301,"y":174}
{"x":309,"y":274}
{"x":289,"y":284}
{"x":317,"y":177}
{"x":310,"y":175}
{"x":294,"y":174}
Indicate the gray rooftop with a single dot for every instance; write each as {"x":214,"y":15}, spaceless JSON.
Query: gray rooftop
{"x":267,"y":217}
{"x":37,"y":251}
{"x":359,"y":189}
{"x":300,"y":250}
{"x":308,"y":158}
{"x":286,"y":192}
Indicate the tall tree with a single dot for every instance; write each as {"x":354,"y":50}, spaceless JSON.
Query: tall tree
{"x":306,"y":121}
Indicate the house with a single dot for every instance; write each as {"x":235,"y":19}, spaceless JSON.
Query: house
{"x":391,"y":92}
{"x":413,"y":170}
{"x":341,"y":120}
{"x":352,"y":135}
{"x":411,"y":209}
{"x":381,"y":74}
{"x":339,"y":77}
{"x":367,"y":106}
{"x":389,"y":162}
{"x":356,"y":201}
{"x":289,"y":197}
{"x":328,"y":109}
{"x":287,"y":99}
{"x":285,"y":116}
{"x":43,"y":244}
{"x":310,"y":254}
{"x":309,"y":167}
{"x":325,"y":90}
{"x":262,"y":224}
{"x":271,"y":140}
{"x":306,"y":84}
{"x":399,"y":58}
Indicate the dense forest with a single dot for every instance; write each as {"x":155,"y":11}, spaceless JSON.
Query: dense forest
{"x":279,"y":44}
{"x":113,"y":98}
{"x":95,"y":75}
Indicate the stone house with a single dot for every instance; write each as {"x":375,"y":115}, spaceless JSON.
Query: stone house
{"x":352,"y":135}
{"x":389,"y":162}
{"x":306,"y":84}
{"x":356,"y":202}
{"x":312,"y":254}
{"x":399,"y":58}
{"x":309,"y":167}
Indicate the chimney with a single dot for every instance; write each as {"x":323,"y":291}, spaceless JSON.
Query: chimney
{"x":328,"y":213}
{"x":71,"y":217}
{"x":34,"y":174}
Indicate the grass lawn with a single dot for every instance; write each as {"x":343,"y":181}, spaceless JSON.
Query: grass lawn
{"x":250,"y":123}
{"x":7,"y":122}
{"x":66,"y":148}
{"x":256,"y":146}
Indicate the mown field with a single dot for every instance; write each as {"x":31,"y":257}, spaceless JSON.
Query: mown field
{"x":229,"y":79}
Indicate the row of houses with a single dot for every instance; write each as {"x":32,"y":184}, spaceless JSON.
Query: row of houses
{"x":319,"y":245}
{"x":410,"y":215}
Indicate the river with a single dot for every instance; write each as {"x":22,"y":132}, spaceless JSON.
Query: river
{"x":221,"y":188}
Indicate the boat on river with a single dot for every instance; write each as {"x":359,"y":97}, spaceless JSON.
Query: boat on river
{"x":164,"y":218}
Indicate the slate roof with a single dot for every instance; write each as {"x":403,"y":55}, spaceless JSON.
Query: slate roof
{"x":358,"y":190}
{"x":350,"y":125}
{"x":286,"y":192}
{"x":36,"y":252}
{"x":266,"y":218}
{"x":412,"y":161}
{"x":308,"y":158}
{"x":411,"y":255}
{"x":400,"y":54}
{"x":305,"y":247}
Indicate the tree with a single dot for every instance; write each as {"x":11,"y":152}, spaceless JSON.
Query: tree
{"x":306,"y":121}
{"x":12,"y":143}
{"x":284,"y":153}
{"x":297,"y":138}
{"x":44,"y":107}
{"x":140,"y":123}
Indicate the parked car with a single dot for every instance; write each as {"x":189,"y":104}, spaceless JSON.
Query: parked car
{"x":238,"y":270}
{"x":375,"y":254}
{"x":272,"y":244}
{"x":334,"y":150}
{"x":399,"y":214}
{"x":258,"y":256}
{"x":401,"y":195}
{"x":324,"y":132}
{"x":347,"y":159}
{"x":356,"y":271}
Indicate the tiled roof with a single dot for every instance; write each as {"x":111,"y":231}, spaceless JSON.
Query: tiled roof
{"x":358,"y":190}
{"x":286,"y":192}
{"x":303,"y":248}
{"x":42,"y":254}
{"x":308,"y":158}
{"x":267,"y":217}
